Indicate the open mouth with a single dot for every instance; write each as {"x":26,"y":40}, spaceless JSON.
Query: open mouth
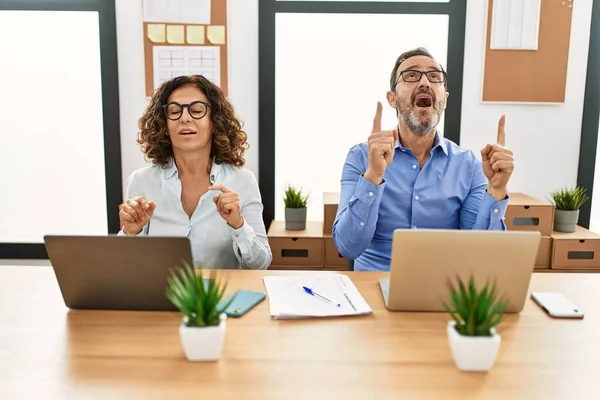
{"x":187,"y":132}
{"x":423,"y":100}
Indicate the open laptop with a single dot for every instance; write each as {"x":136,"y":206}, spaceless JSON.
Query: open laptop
{"x":116,"y":272}
{"x":423,"y":261}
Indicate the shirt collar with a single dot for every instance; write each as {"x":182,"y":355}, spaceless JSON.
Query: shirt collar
{"x":438,"y":142}
{"x":170,"y":170}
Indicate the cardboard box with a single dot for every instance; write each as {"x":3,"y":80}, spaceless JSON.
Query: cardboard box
{"x":525,"y":213}
{"x":296,"y":248}
{"x":577,"y":250}
{"x":333,"y":258}
{"x":331,"y":201}
{"x":542,"y":260}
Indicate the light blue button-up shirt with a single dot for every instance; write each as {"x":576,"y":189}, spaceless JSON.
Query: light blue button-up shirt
{"x":215,"y":244}
{"x":449,"y":192}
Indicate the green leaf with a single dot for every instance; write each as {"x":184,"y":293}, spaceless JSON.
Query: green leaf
{"x":474,"y":310}
{"x":294,"y":198}
{"x":199,"y":304}
{"x":569,"y":199}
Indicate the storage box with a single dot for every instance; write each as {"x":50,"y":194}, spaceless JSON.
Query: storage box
{"x":331,"y":201}
{"x":526,"y":213}
{"x":542,"y":260}
{"x":296,"y":248}
{"x":577,"y":250}
{"x":333,"y":258}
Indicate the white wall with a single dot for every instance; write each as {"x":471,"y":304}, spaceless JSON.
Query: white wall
{"x":595,"y":212}
{"x":242,"y":21}
{"x":544,"y":138}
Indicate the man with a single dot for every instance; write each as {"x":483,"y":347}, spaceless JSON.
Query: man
{"x":411,"y":177}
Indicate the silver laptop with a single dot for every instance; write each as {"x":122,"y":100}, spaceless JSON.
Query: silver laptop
{"x":116,"y":272}
{"x":423,"y":261}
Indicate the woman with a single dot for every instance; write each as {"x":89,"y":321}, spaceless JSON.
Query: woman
{"x":197,"y":186}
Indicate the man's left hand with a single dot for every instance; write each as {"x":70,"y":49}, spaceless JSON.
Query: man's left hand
{"x":228,"y":206}
{"x":498,"y":164}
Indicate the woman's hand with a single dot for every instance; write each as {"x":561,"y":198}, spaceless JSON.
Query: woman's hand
{"x":228,"y":206}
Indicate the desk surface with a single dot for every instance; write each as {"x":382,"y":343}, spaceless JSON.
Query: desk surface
{"x":47,"y":351}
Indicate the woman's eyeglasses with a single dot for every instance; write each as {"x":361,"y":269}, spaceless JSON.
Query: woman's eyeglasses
{"x":196,"y":109}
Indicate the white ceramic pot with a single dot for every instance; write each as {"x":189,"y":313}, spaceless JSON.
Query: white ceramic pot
{"x":473,"y":353}
{"x":203,"y":344}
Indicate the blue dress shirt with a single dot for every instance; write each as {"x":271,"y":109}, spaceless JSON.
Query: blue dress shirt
{"x":449,"y":192}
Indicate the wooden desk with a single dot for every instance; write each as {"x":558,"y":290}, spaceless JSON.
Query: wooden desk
{"x":47,"y":351}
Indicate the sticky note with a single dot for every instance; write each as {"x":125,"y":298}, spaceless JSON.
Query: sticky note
{"x":175,"y":34}
{"x":216,"y":34}
{"x":156,"y":33}
{"x":195,"y":34}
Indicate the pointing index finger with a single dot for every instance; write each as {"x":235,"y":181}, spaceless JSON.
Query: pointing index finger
{"x":377,"y":119}
{"x":501,"y":140}
{"x":222,"y":188}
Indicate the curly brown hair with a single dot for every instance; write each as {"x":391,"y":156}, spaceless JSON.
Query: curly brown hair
{"x":228,"y":140}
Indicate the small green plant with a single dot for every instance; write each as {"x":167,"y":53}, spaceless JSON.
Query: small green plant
{"x":569,"y":199}
{"x":475,"y":312}
{"x":294,"y":198}
{"x":199,"y":301}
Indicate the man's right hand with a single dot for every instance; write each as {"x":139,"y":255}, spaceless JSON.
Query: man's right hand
{"x":382,"y":145}
{"x":134,"y":214}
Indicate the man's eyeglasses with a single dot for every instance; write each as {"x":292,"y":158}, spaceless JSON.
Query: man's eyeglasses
{"x":197,"y":109}
{"x":411,"y":75}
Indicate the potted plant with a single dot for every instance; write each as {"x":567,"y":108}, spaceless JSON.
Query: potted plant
{"x":295,"y":209}
{"x":473,"y":339}
{"x":202,"y":330}
{"x":567,"y":203}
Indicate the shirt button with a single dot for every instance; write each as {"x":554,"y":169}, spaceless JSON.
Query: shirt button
{"x":370,"y":194}
{"x":236,"y":235}
{"x":414,"y":166}
{"x":362,"y":223}
{"x":404,"y":151}
{"x":496,"y":211}
{"x":416,"y":197}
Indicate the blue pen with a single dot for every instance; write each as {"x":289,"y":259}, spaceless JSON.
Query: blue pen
{"x":313,"y":293}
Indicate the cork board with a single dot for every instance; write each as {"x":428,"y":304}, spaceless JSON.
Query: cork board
{"x":158,"y":36}
{"x":531,"y":76}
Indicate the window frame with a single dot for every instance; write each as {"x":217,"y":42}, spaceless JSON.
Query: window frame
{"x":110,"y":109}
{"x":456,"y":11}
{"x":590,"y":118}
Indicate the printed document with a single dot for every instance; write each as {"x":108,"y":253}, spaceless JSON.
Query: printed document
{"x":289,"y":299}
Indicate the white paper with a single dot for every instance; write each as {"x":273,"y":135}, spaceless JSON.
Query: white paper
{"x":177,"y":11}
{"x":173,"y":61}
{"x":287,"y":298}
{"x":515,"y":24}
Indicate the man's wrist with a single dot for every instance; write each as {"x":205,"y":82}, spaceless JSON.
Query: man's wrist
{"x":375,"y":179}
{"x":498,"y":194}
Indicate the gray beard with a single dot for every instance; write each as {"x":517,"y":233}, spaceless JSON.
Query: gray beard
{"x":414,"y":123}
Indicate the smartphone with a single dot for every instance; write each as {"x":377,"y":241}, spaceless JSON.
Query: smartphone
{"x":243,"y":302}
{"x":557,"y":305}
